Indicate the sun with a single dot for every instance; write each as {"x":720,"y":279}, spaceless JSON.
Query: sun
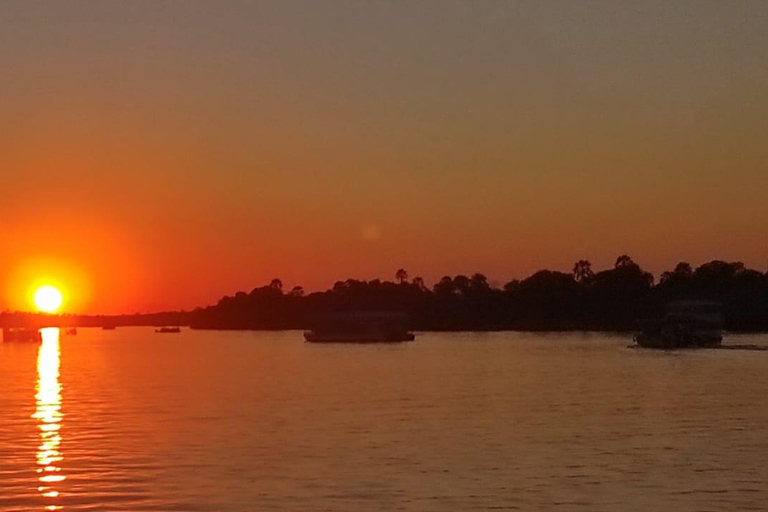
{"x":48,"y":299}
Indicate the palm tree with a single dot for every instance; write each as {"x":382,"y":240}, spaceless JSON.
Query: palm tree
{"x":401,"y":275}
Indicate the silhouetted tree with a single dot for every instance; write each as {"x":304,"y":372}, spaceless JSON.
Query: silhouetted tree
{"x":401,"y":275}
{"x":620,"y":295}
{"x":444,"y":287}
{"x":683,"y":272}
{"x":548,"y":299}
{"x":461,"y":283}
{"x":582,"y":271}
{"x":276,"y":284}
{"x":547,"y":283}
{"x":479,"y":282}
{"x":624,"y":261}
{"x":719,"y":271}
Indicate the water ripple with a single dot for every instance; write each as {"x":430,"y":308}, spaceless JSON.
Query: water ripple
{"x":209,"y":421}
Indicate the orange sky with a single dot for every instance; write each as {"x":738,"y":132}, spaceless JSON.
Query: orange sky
{"x":159,"y":155}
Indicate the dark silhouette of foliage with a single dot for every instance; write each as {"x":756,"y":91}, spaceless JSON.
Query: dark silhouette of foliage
{"x":444,"y":288}
{"x":547,"y":300}
{"x":624,"y":261}
{"x":419,"y":283}
{"x":582,"y":271}
{"x":682,"y":273}
{"x":479,"y":282}
{"x":611,"y":299}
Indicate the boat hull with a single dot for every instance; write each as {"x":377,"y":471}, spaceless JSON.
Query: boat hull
{"x":168,"y":330}
{"x":314,"y":337}
{"x":672,"y":342}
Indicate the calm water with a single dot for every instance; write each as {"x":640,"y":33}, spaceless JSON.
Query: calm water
{"x":208,"y":421}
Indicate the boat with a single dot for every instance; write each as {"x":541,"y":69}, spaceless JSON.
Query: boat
{"x":21,"y":334}
{"x":356,"y":337}
{"x":71,"y":332}
{"x":168,"y":330}
{"x":361,"y":327}
{"x":686,"y":324}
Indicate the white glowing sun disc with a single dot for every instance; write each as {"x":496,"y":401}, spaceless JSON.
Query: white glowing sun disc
{"x":48,"y":299}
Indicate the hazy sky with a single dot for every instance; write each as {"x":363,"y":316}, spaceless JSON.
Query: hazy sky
{"x":158,"y":155}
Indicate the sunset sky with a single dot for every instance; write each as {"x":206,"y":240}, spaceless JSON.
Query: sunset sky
{"x":158,"y":155}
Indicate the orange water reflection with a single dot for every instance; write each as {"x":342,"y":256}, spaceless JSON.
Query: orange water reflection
{"x":49,"y":416}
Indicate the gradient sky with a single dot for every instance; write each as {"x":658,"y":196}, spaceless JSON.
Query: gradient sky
{"x":158,"y":155}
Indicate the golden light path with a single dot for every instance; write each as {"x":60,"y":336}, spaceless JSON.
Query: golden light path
{"x":48,"y":414}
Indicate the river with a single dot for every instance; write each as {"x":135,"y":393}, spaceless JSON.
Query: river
{"x":261,"y":421}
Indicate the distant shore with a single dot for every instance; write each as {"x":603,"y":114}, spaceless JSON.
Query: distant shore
{"x":610,"y":300}
{"x":183,"y":319}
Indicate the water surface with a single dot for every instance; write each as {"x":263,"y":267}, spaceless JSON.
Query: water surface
{"x":212,"y":421}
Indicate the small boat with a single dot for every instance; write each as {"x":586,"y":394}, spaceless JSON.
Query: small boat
{"x":21,"y":334}
{"x":71,"y":332}
{"x":363,"y":327}
{"x":687,"y":324}
{"x":168,"y":330}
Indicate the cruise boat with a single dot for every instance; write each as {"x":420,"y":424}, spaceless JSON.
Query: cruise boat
{"x":687,"y":324}
{"x":361,"y":327}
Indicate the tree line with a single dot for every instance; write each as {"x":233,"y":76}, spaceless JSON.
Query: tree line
{"x":583,"y":299}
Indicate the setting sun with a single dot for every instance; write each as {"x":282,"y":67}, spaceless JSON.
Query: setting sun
{"x":48,"y":299}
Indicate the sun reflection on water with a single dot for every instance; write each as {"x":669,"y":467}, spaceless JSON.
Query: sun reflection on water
{"x":48,"y":414}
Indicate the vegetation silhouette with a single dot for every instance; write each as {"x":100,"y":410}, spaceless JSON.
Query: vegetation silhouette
{"x":611,"y":299}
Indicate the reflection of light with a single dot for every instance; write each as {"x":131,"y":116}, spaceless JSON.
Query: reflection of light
{"x":48,"y":415}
